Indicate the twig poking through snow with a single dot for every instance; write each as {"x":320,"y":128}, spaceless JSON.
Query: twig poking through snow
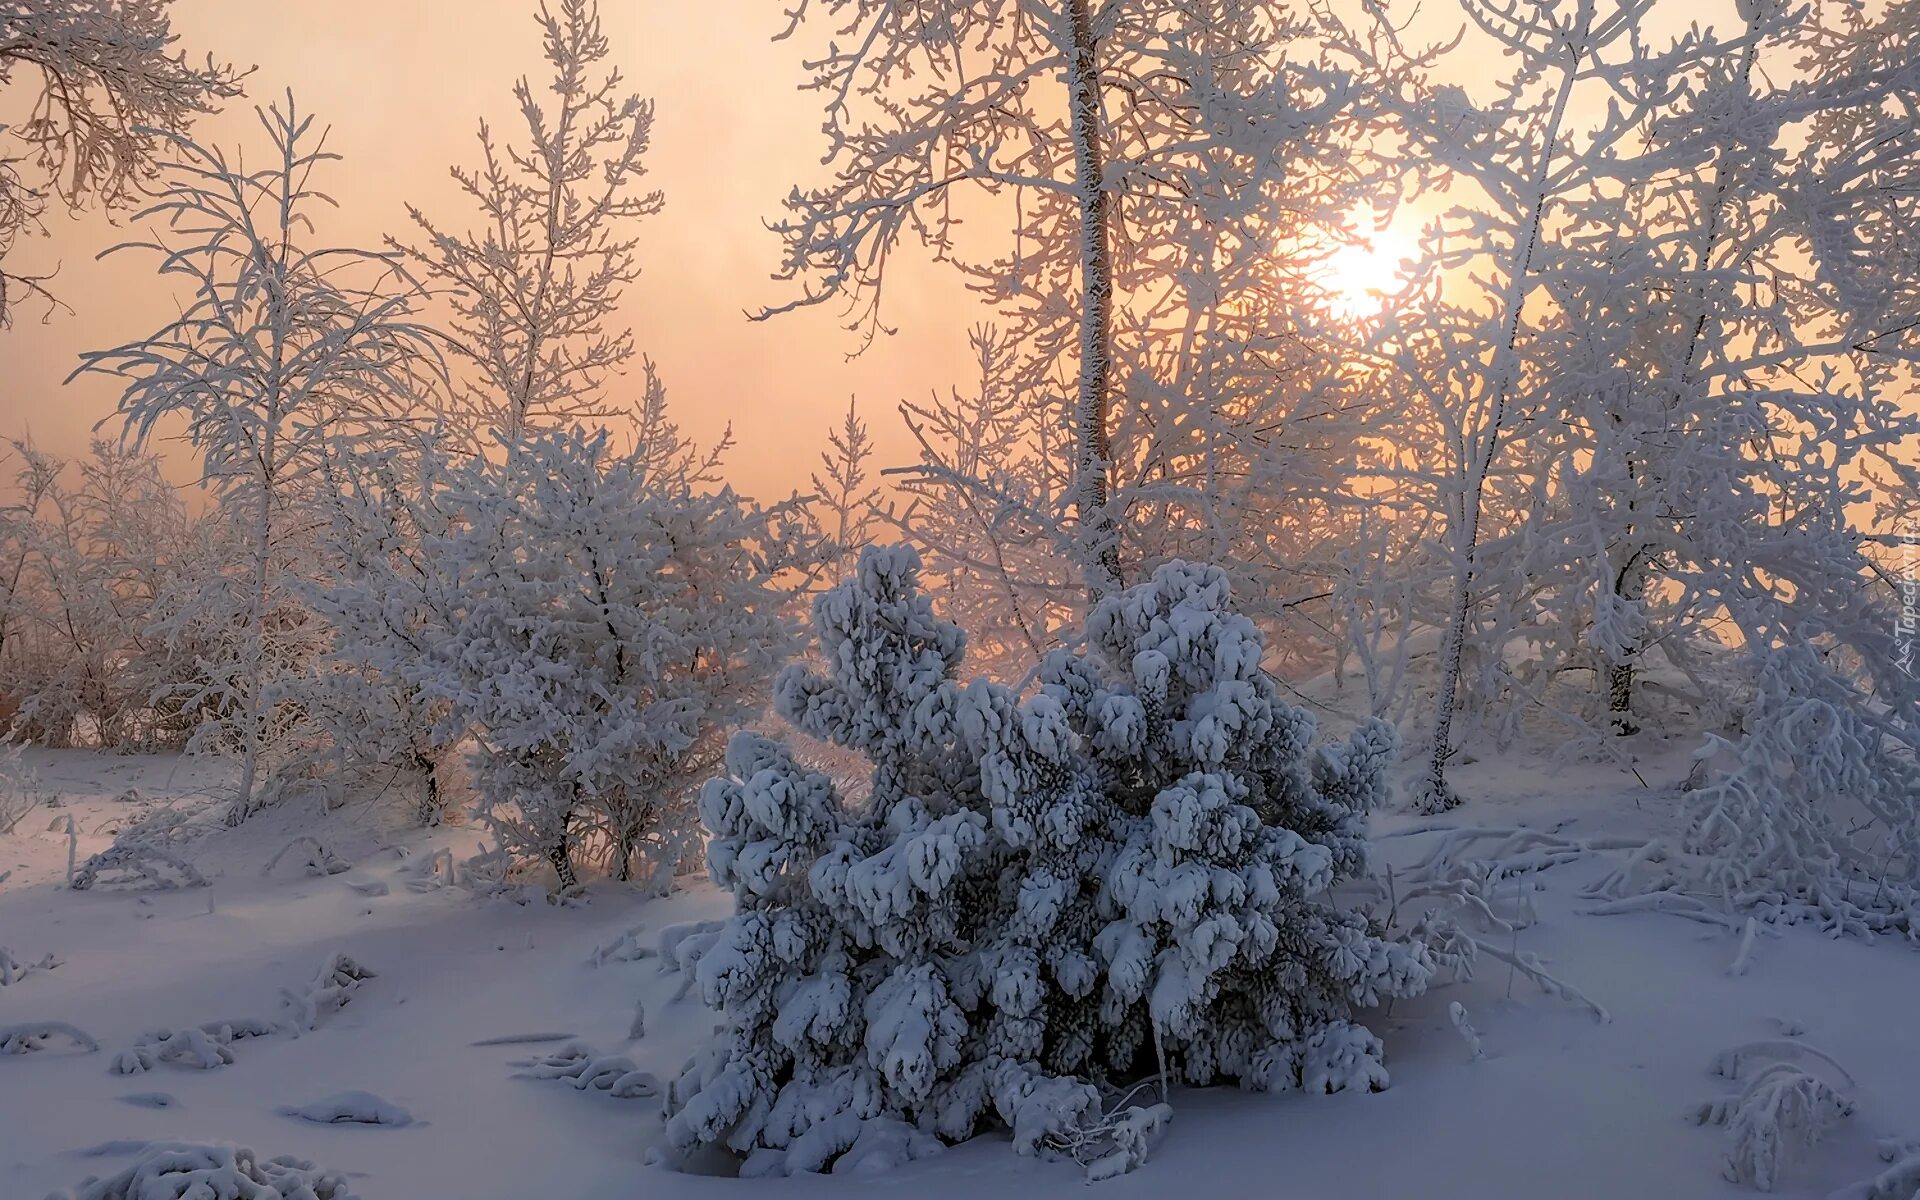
{"x":1743,"y":957}
{"x":1457,"y":1013}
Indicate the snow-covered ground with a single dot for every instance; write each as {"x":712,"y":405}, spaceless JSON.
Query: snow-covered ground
{"x":1561,"y":1105}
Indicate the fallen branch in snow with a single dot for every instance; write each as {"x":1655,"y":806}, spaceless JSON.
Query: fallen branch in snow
{"x":319,"y":861}
{"x":157,"y":869}
{"x":522,"y":1039}
{"x":330,"y":990}
{"x":1115,"y":1144}
{"x":12,"y":970}
{"x":1690,"y":907}
{"x":186,"y":1171}
{"x":626,"y":948}
{"x":576,"y":1063}
{"x":34,"y":1035}
{"x":614,"y":1074}
{"x":1734,"y":1061}
{"x":1531,"y":966}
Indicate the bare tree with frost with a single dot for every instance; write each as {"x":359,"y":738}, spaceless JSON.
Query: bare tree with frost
{"x":101,"y":85}
{"x":1696,"y":444}
{"x":282,"y":346}
{"x":1146,"y":158}
{"x":535,"y":287}
{"x":605,"y":624}
{"x":92,"y":558}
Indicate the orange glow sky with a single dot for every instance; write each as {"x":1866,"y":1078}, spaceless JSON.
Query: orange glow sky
{"x":403,"y":84}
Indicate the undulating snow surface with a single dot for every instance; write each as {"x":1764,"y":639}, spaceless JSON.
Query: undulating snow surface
{"x":504,"y":1030}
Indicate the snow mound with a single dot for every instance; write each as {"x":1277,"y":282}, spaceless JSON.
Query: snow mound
{"x":34,"y":1035}
{"x":349,"y":1108}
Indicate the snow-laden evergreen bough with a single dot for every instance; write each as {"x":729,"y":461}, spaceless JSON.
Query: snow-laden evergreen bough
{"x":1123,"y":874}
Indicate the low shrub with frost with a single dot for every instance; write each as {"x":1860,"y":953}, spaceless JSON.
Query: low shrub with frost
{"x":188,"y":1171}
{"x":1120,"y":875}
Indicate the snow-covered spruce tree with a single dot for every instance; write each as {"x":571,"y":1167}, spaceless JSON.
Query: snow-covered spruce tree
{"x":599,"y":625}
{"x":1123,"y":873}
{"x":282,"y":346}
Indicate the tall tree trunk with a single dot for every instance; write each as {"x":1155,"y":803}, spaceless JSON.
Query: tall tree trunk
{"x":562,"y":864}
{"x":256,"y":655}
{"x":1630,"y":583}
{"x":1435,"y":793}
{"x":428,"y":814}
{"x":1093,"y":451}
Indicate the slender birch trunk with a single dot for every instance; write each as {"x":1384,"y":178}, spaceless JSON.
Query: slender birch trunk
{"x":1435,"y":794}
{"x":1093,"y":451}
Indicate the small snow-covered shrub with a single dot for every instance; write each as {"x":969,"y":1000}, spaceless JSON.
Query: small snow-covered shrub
{"x":1783,"y":1110}
{"x":20,"y":789}
{"x":187,"y":1171}
{"x":330,"y":990}
{"x":1814,"y":814}
{"x":604,"y":620}
{"x":1122,"y":874}
{"x":205,"y":1047}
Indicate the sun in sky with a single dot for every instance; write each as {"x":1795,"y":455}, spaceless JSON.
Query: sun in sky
{"x":1361,"y":275}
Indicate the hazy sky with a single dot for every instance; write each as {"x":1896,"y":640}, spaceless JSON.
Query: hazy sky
{"x":403,"y":84}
